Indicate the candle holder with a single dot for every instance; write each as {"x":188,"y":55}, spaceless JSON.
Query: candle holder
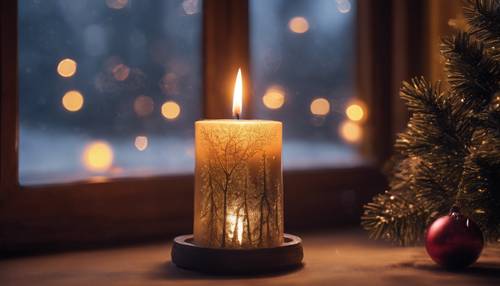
{"x":238,"y":214}
{"x":186,"y":254}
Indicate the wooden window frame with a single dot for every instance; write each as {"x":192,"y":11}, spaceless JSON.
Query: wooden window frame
{"x":81,"y":214}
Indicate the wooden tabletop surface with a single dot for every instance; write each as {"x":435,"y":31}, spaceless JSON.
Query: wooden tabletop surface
{"x":342,"y":258}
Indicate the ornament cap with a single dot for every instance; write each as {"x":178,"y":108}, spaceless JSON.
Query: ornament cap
{"x":454,"y":209}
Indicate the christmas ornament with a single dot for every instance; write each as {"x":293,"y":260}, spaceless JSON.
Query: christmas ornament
{"x":454,"y":241}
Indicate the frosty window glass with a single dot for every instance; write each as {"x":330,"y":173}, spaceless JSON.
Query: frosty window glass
{"x":303,"y":67}
{"x":108,"y":88}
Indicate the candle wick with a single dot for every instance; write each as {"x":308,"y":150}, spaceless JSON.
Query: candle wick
{"x":238,"y":116}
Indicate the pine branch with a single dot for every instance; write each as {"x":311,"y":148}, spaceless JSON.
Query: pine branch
{"x":430,"y":159}
{"x":471,"y":72}
{"x":434,"y":188}
{"x":483,"y":17}
{"x":397,"y":215}
{"x":479,"y":193}
{"x":432,"y":127}
{"x":417,"y":196}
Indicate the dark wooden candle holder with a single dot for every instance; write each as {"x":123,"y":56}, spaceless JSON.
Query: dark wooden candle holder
{"x":186,"y":254}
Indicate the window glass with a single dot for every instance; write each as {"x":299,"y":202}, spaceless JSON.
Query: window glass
{"x":303,"y":68}
{"x":108,"y":88}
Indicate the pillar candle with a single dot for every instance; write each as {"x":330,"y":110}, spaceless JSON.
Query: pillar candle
{"x":238,"y":184}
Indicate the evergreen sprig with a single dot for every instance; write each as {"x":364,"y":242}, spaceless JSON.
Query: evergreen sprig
{"x":449,"y":154}
{"x":472,"y":73}
{"x":484,"y":19}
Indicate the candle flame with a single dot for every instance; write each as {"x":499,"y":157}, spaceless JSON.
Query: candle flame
{"x":238,"y":95}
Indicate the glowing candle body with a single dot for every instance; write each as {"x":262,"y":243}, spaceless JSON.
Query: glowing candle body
{"x":238,"y":184}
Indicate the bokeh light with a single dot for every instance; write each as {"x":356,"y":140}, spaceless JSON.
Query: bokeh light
{"x":190,"y":6}
{"x":97,"y":156}
{"x":141,"y":143}
{"x":120,"y":72}
{"x":320,"y":106}
{"x":116,"y":4}
{"x":350,"y":131}
{"x":355,"y":112}
{"x":458,"y":23}
{"x":72,"y":100}
{"x":143,"y":105}
{"x":274,"y":98}
{"x":344,"y":6}
{"x":98,"y":179}
{"x":66,"y":68}
{"x":169,"y":84}
{"x":170,"y":110}
{"x":298,"y":25}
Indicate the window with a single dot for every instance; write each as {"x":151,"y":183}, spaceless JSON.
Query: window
{"x":303,"y":71}
{"x":51,"y":198}
{"x":107,"y":92}
{"x":107,"y":88}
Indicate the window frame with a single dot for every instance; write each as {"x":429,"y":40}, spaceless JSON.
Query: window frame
{"x":81,"y":214}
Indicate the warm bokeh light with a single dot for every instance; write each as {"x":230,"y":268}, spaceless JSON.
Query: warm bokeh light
{"x":170,"y":110}
{"x":355,"y":112}
{"x":320,"y":106}
{"x":97,"y":156}
{"x":72,"y":100}
{"x":143,"y":105}
{"x":66,"y":68}
{"x":274,"y":98}
{"x":458,"y":23}
{"x":141,"y":143}
{"x":116,"y":4}
{"x":120,"y":72}
{"x":98,"y":179}
{"x":350,"y":131}
{"x":238,"y":95}
{"x":298,"y":25}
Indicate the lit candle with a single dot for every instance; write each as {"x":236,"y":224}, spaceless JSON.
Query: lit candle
{"x":238,"y":181}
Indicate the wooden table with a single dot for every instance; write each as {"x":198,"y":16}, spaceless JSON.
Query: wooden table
{"x":345,"y":258}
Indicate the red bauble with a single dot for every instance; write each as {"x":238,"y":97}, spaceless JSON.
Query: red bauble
{"x":454,"y":241}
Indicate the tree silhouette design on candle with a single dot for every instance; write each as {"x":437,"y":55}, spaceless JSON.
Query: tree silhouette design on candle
{"x":238,"y":184}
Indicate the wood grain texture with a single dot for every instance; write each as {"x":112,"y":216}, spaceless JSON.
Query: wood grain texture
{"x":340,"y":258}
